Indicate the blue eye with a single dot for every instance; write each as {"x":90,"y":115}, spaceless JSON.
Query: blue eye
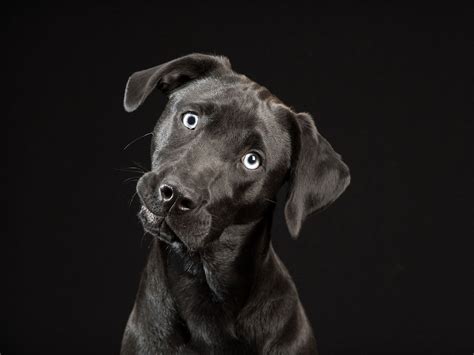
{"x":190,"y":120}
{"x":251,"y":161}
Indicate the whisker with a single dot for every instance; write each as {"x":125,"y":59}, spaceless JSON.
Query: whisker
{"x":152,"y":238}
{"x":137,"y":139}
{"x":133,"y":178}
{"x":189,"y":267}
{"x":143,"y":237}
{"x":131,"y":169}
{"x":140,"y":166}
{"x":131,"y":200}
{"x":214,"y":216}
{"x":136,"y":168}
{"x":267,"y":199}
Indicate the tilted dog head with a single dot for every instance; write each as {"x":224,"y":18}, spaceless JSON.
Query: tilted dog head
{"x":222,"y":149}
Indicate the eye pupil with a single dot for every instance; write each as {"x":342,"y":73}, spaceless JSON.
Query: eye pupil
{"x":191,"y":120}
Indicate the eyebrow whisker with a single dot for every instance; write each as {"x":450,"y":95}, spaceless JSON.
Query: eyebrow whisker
{"x":137,"y":139}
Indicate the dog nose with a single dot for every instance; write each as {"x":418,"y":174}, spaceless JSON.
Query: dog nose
{"x":167,"y":193}
{"x":182,"y":200}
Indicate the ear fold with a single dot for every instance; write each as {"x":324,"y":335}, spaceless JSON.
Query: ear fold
{"x":170,"y":76}
{"x":318,"y":175}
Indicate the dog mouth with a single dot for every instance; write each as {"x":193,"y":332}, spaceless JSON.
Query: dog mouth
{"x":150,"y":217}
{"x":174,"y":229}
{"x":156,"y":225}
{"x":150,"y":220}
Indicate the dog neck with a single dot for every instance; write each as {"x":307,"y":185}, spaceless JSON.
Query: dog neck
{"x":221,"y":276}
{"x":225,"y":269}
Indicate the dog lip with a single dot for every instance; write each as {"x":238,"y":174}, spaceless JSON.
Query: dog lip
{"x":150,"y":221}
{"x":157,"y":225}
{"x":150,"y":216}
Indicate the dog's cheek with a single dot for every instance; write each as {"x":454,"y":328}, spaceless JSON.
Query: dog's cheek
{"x":250,"y":192}
{"x":190,"y":224}
{"x":236,"y":199}
{"x":250,"y":213}
{"x":222,"y":211}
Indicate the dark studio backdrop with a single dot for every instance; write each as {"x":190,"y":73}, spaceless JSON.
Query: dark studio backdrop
{"x":387,"y":269}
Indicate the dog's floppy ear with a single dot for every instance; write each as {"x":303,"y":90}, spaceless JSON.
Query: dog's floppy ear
{"x":318,"y":175}
{"x":170,"y":76}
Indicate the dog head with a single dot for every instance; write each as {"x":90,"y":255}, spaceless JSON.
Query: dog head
{"x":222,"y":149}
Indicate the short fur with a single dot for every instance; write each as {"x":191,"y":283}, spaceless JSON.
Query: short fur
{"x":213,"y":283}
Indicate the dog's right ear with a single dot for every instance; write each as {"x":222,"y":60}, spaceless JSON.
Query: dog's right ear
{"x":170,"y":76}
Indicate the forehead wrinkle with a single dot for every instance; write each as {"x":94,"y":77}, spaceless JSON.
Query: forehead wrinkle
{"x":235,"y":141}
{"x":276,"y":134}
{"x":227,"y":100}
{"x":203,"y":89}
{"x":200,"y":86}
{"x":253,"y":139}
{"x":207,"y":108}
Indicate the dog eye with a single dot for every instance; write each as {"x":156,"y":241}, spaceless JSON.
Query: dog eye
{"x":251,"y":161}
{"x":190,"y":120}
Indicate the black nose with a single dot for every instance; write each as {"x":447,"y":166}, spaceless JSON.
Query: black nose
{"x":178,"y":198}
{"x":167,"y":193}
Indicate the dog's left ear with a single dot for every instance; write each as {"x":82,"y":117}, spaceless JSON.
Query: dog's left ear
{"x":170,"y":76}
{"x":318,"y":175}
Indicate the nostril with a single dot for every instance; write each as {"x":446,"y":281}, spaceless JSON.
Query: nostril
{"x":186,"y":204}
{"x":166,"y":192}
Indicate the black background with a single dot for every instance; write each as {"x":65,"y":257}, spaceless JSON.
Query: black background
{"x":387,"y":269}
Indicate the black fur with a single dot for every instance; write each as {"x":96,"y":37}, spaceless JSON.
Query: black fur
{"x":213,"y":283}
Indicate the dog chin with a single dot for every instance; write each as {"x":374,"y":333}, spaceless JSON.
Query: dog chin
{"x":151,"y":223}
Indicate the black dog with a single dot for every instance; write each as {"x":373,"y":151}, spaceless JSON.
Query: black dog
{"x":221,"y":150}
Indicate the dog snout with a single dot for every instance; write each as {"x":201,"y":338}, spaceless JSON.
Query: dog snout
{"x":146,"y":190}
{"x":164,"y":195}
{"x":178,"y":197}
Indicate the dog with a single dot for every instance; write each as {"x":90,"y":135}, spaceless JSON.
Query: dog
{"x":220,"y":152}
